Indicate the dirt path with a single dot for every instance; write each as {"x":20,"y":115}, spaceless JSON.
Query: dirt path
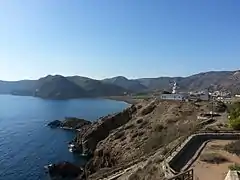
{"x":207,"y":171}
{"x":125,"y":172}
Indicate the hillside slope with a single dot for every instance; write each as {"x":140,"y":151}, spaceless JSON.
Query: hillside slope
{"x":214,"y":80}
{"x":8,"y":87}
{"x":117,"y":86}
{"x":58,"y":87}
{"x":130,"y":85}
{"x":138,"y":132}
{"x":97,"y":88}
{"x":222,"y":80}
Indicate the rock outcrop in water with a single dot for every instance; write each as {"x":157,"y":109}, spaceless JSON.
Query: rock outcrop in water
{"x":55,"y":124}
{"x":69,"y":123}
{"x":75,"y":123}
{"x":65,"y":170}
{"x":88,"y":136}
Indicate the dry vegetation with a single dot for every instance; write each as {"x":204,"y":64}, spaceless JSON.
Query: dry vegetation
{"x":213,"y":158}
{"x":214,"y":161}
{"x":233,"y":147}
{"x":156,"y":126}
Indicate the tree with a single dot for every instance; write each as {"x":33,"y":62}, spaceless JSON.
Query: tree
{"x":234,"y":116}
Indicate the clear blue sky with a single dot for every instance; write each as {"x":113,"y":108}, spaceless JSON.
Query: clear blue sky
{"x":105,"y":38}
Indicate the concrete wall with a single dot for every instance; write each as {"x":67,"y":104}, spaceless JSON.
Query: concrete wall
{"x":186,"y":151}
{"x":179,"y":97}
{"x":204,"y":97}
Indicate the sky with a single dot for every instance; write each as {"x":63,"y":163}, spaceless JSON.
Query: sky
{"x":106,"y":38}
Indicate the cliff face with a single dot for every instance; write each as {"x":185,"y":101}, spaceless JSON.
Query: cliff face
{"x":91,"y":136}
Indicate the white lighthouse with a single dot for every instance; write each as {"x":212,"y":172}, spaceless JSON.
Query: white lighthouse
{"x":174,"y":89}
{"x":174,"y":95}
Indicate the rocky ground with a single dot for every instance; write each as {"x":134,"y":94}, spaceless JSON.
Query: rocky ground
{"x":132,"y":144}
{"x":214,"y":161}
{"x":135,"y":140}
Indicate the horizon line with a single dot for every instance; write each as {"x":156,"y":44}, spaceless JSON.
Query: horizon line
{"x":25,"y":79}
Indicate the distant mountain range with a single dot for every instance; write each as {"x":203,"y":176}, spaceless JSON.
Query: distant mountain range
{"x":60,"y":87}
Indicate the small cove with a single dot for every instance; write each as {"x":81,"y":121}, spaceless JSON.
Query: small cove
{"x":26,"y":144}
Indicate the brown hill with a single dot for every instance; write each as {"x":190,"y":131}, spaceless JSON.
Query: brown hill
{"x":138,"y":132}
{"x":60,"y":87}
{"x":215,"y":80}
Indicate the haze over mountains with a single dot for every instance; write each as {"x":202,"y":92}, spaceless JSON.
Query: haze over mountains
{"x":60,"y":87}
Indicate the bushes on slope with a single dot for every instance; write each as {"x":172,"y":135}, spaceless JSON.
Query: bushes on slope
{"x":234,"y":116}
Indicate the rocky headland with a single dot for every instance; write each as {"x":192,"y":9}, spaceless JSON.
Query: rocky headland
{"x":120,"y":140}
{"x":65,"y":170}
{"x":136,"y":134}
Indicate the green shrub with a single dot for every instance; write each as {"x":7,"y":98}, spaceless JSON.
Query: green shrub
{"x":234,"y":116}
{"x":235,"y":167}
{"x":234,"y":110}
{"x":234,"y":123}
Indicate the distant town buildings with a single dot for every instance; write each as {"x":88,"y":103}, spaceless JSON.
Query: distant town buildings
{"x":178,"y":97}
{"x":199,"y":95}
{"x":221,"y":94}
{"x":204,"y":95}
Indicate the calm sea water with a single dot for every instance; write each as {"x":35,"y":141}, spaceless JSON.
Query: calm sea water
{"x":26,"y":144}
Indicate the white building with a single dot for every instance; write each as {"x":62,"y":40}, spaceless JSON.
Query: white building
{"x":179,"y":97}
{"x":199,"y":95}
{"x":204,"y":97}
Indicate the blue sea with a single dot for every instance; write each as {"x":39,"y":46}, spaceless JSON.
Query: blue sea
{"x":27,"y":144}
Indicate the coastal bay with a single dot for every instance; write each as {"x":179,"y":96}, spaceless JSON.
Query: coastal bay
{"x":27,"y":144}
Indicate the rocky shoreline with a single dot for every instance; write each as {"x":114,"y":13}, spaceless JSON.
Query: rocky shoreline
{"x":89,"y":134}
{"x":127,"y":99}
{"x":68,"y":170}
{"x":117,"y":141}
